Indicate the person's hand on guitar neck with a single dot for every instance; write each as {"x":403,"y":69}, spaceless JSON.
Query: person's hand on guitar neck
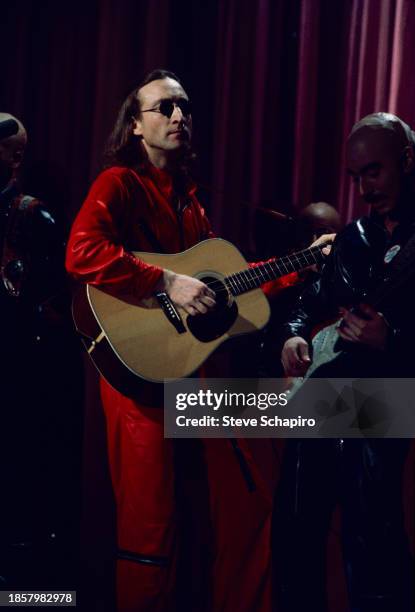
{"x":322,"y":240}
{"x":295,"y":356}
{"x":187,"y":292}
{"x":370,"y":329}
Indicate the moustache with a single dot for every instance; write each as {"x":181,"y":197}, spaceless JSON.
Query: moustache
{"x":373,"y":198}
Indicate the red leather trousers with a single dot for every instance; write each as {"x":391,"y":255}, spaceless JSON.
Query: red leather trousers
{"x":149,"y":529}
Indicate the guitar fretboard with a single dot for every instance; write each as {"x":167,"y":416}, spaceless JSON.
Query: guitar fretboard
{"x":252,"y":278}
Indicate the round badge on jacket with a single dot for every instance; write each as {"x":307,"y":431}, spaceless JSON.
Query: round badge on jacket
{"x":390,"y":253}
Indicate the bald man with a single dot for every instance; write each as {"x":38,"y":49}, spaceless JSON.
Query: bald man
{"x":364,"y":476}
{"x":316,"y":219}
{"x":29,"y":278}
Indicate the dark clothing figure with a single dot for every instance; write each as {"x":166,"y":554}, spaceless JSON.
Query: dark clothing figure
{"x":358,"y":265}
{"x":364,"y":476}
{"x":34,"y":467}
{"x":365,"y":479}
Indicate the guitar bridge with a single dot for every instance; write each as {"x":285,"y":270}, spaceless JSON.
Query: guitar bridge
{"x":94,"y":343}
{"x":170,"y":311}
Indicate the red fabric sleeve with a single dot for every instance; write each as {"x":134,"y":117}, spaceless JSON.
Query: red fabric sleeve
{"x":95,"y":254}
{"x":276,"y":286}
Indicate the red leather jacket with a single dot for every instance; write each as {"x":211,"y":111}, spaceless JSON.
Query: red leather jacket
{"x":125,"y":211}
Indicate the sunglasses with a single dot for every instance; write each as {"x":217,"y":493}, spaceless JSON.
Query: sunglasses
{"x":166,"y":107}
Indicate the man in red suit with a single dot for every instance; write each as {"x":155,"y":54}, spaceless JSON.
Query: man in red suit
{"x":145,"y":200}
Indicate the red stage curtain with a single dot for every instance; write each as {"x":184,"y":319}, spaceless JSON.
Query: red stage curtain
{"x":277,"y":85}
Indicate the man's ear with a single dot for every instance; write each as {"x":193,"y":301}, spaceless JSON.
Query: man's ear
{"x":408,"y":159}
{"x":137,"y":127}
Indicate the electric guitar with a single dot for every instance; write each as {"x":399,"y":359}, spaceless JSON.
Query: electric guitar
{"x":327,"y":344}
{"x":151,"y":340}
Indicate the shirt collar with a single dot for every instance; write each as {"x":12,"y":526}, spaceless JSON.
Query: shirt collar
{"x":165,"y":181}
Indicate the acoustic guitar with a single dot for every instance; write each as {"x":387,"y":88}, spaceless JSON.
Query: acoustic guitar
{"x":152,"y":340}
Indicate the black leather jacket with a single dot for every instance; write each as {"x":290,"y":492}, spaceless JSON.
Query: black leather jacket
{"x":355,"y":267}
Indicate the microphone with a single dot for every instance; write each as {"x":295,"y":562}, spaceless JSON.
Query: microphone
{"x":273,"y":215}
{"x":8,"y":128}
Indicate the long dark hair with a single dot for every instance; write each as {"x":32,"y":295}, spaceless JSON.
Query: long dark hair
{"x":123,"y":148}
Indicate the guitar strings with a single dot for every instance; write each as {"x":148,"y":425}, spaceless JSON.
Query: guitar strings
{"x":249,"y":279}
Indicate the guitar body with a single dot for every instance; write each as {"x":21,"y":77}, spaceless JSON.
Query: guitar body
{"x":141,"y":338}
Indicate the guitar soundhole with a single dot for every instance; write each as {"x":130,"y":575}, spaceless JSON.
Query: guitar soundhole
{"x":216,"y":322}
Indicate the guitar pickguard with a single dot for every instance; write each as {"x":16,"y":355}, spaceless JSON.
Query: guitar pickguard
{"x":324,"y":351}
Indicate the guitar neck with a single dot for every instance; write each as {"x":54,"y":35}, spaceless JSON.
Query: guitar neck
{"x":252,"y":278}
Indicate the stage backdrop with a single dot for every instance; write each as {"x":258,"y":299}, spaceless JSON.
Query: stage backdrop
{"x":276,"y":85}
